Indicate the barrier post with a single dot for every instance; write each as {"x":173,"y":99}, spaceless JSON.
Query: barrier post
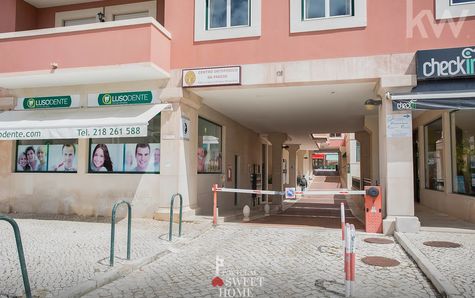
{"x":129,"y":230}
{"x":347,"y":261}
{"x":342,"y":209}
{"x":21,"y":255}
{"x":170,"y":231}
{"x":352,"y":259}
{"x":215,"y":204}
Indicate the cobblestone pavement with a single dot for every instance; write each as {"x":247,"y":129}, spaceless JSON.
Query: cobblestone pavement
{"x":62,"y":254}
{"x":272,"y":262}
{"x":456,"y":264}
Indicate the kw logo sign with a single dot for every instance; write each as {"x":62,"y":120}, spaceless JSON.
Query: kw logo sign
{"x":47,"y":102}
{"x":125,"y":98}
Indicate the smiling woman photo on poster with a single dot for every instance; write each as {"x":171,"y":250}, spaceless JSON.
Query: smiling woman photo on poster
{"x":101,"y":161}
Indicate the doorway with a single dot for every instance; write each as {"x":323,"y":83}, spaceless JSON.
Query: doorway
{"x":415,"y":167}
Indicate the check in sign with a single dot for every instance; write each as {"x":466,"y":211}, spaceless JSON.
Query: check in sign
{"x":290,"y":193}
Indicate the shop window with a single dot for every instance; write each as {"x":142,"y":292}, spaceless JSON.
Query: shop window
{"x":127,"y":155}
{"x":316,"y":15}
{"x":448,"y":9}
{"x":209,"y":147}
{"x":434,"y":156}
{"x":463,"y":151}
{"x":224,"y":19}
{"x":46,"y":156}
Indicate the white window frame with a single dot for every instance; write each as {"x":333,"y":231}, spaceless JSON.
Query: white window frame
{"x":444,"y":9}
{"x":149,"y":6}
{"x":298,"y":24}
{"x":109,"y":12}
{"x":327,"y":11}
{"x":228,"y":16}
{"x":204,"y":34}
{"x":63,"y":16}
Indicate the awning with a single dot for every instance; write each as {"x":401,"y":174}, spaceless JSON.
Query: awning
{"x":120,"y":121}
{"x":452,"y":100}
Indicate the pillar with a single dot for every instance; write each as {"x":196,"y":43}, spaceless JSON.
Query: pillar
{"x":277,"y":140}
{"x":293,"y":148}
{"x":396,"y":166}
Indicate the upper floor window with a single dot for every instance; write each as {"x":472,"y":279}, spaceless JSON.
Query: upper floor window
{"x":314,"y":9}
{"x":448,"y":9}
{"x":225,"y":19}
{"x":108,"y":13}
{"x":228,"y":13}
{"x":317,"y":15}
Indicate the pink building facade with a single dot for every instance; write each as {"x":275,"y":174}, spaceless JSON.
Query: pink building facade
{"x":159,"y":97}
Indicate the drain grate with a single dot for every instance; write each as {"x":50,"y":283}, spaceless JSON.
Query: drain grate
{"x":380,"y":261}
{"x":378,"y":241}
{"x":444,"y":244}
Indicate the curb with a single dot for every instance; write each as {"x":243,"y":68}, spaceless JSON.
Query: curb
{"x":442,"y":284}
{"x":110,"y":276}
{"x":114,"y":274}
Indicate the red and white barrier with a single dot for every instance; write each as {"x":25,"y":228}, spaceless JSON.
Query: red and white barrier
{"x":217,"y":189}
{"x":350,"y":260}
{"x":342,"y":212}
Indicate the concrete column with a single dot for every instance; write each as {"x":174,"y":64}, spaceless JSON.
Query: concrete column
{"x":293,"y":148}
{"x":300,"y":161}
{"x":396,"y":165}
{"x":277,"y":140}
{"x":372,"y":127}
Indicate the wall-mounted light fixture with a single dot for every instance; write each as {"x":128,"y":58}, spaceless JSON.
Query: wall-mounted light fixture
{"x":101,"y":17}
{"x":370,"y":104}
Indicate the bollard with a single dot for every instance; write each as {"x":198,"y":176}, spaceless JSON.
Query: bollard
{"x":352,"y":259}
{"x":21,"y":255}
{"x":342,"y":208}
{"x":267,"y":209}
{"x":129,"y":229}
{"x":170,"y":231}
{"x":347,"y":261}
{"x":215,"y":204}
{"x":246,"y":211}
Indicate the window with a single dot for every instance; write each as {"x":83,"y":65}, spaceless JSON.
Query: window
{"x":127,"y":155}
{"x":225,"y":19}
{"x":463,"y":151}
{"x":434,"y":155}
{"x":209,"y":147}
{"x":335,"y":135}
{"x":449,"y":9}
{"x":227,"y":13}
{"x":358,"y":151}
{"x":46,"y":156}
{"x":316,"y":15}
{"x":326,"y":8}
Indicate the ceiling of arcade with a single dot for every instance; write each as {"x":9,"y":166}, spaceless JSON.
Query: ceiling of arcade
{"x":297,"y":111}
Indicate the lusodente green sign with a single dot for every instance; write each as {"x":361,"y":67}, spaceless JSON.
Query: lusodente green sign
{"x":47,"y":102}
{"x":122,"y":98}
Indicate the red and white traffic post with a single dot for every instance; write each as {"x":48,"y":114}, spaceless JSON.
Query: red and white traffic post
{"x":350,"y":260}
{"x":342,"y":212}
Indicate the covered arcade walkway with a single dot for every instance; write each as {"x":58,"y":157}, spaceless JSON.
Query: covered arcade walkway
{"x":319,"y":211}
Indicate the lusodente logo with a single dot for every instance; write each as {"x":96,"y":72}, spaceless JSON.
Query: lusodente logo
{"x":138,"y":97}
{"x":107,"y":99}
{"x":47,"y":102}
{"x":461,"y":65}
{"x":31,"y":103}
{"x":406,"y":105}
